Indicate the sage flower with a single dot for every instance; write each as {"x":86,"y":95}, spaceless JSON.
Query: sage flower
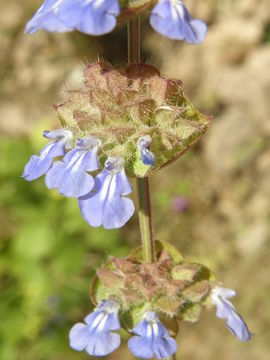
{"x":39,"y":165}
{"x":172,"y":19}
{"x":147,"y":157}
{"x":107,"y":205}
{"x":96,"y":336}
{"x":151,"y":339}
{"x":70,"y":175}
{"x":226,"y":311}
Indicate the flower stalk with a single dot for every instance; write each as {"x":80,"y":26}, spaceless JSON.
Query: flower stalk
{"x":145,"y":219}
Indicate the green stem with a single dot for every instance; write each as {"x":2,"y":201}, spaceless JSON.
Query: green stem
{"x":145,"y":219}
{"x":148,"y":244}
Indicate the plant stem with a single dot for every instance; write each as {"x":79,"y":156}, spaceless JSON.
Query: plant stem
{"x":148,"y":244}
{"x":134,"y":41}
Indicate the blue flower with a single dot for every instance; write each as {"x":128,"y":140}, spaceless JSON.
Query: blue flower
{"x":147,"y":157}
{"x":47,"y":18}
{"x":106,"y":205}
{"x":93,"y":17}
{"x":96,"y":337}
{"x":171,"y":19}
{"x":153,"y":339}
{"x":70,"y":175}
{"x":226,"y":311}
{"x":39,"y":165}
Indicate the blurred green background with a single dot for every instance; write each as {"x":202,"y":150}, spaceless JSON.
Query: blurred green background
{"x":49,"y":254}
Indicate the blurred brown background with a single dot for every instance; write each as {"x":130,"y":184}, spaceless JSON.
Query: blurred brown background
{"x":48,"y":253}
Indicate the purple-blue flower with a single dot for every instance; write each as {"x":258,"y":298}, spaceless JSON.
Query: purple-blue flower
{"x":94,"y":17}
{"x":171,"y":19}
{"x":39,"y":165}
{"x":106,"y":204}
{"x":226,"y":311}
{"x":96,"y":336}
{"x":147,"y":157}
{"x":70,"y":175}
{"x":47,"y":18}
{"x":152,"y":339}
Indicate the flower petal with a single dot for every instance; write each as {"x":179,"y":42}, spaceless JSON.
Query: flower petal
{"x":141,"y":347}
{"x":47,"y":18}
{"x":197,"y":33}
{"x":172,"y":19}
{"x":106,"y":206}
{"x":147,"y":157}
{"x":94,"y":17}
{"x":36,"y":167}
{"x":164,"y":347}
{"x":109,"y":308}
{"x":70,"y":176}
{"x":96,"y":337}
{"x":39,"y":165}
{"x":238,"y":327}
{"x":79,"y":336}
{"x":154,"y":339}
{"x":141,"y":328}
{"x":101,"y":344}
{"x":226,"y":311}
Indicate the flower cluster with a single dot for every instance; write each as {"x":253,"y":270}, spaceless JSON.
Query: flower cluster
{"x":96,"y":17}
{"x":96,"y":336}
{"x":137,"y":113}
{"x":149,"y":337}
{"x":110,"y":122}
{"x":101,"y":199}
{"x":128,"y":121}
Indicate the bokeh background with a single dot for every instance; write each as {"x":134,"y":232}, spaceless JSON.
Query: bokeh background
{"x":213,"y":203}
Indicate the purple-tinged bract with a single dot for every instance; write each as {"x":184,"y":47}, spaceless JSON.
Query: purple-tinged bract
{"x":106,"y":204}
{"x":70,"y":175}
{"x":226,"y":311}
{"x":96,"y":336}
{"x":171,"y":19}
{"x":152,"y":339}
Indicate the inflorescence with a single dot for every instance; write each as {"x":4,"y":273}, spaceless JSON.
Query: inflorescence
{"x":124,"y":120}
{"x":128,"y":122}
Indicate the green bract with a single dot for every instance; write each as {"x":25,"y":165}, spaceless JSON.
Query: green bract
{"x":172,"y":287}
{"x":121,"y":105}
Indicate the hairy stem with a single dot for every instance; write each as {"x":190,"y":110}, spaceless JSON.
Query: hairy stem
{"x":148,"y":244}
